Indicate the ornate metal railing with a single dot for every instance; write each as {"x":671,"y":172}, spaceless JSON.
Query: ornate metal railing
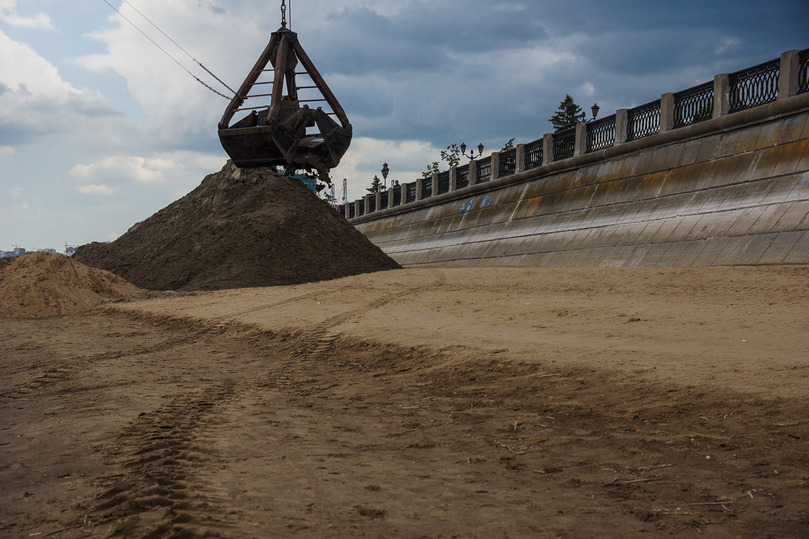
{"x":462,"y":177}
{"x":410,"y":192}
{"x":361,"y":208}
{"x":384,"y":199}
{"x":508,"y":163}
{"x":443,"y":182}
{"x":693,"y":105}
{"x":754,"y":86}
{"x":803,"y":71}
{"x":351,"y":210}
{"x":643,"y":121}
{"x":601,"y":134}
{"x":426,"y":187}
{"x":564,"y":143}
{"x":397,"y":195}
{"x":372,"y":203}
{"x":533,"y":154}
{"x":485,"y":169}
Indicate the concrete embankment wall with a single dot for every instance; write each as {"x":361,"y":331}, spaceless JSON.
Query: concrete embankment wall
{"x":733,"y":190}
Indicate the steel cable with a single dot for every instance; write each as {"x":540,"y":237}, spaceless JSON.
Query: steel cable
{"x":206,"y":85}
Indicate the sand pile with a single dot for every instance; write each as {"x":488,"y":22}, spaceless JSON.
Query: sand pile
{"x":239,"y":228}
{"x":35,"y":285}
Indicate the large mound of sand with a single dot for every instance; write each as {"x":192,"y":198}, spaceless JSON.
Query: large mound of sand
{"x":239,"y":228}
{"x":34,"y":285}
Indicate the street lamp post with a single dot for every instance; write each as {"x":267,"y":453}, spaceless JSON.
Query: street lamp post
{"x":471,"y":155}
{"x":594,"y":110}
{"x":385,"y":171}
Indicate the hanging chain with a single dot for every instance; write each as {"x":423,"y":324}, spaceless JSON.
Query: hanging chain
{"x":283,"y":14}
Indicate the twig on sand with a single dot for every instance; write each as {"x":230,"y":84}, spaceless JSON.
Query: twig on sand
{"x":641,"y":480}
{"x":655,"y":466}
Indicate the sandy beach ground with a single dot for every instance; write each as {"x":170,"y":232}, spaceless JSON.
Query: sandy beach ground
{"x":425,"y":402}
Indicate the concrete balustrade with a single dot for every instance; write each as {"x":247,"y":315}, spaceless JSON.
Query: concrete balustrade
{"x":788,"y":86}
{"x":726,"y":191}
{"x":731,"y":189}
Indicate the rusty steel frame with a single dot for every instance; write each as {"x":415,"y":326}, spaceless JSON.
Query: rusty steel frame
{"x":275,"y":135}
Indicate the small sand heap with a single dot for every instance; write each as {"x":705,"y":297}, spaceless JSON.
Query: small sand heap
{"x":35,"y":285}
{"x":239,"y":228}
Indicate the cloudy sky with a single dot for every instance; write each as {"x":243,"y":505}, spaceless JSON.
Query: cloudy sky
{"x":99,"y":128}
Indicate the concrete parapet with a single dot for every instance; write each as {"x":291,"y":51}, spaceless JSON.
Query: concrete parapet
{"x":520,"y":158}
{"x":666,"y":112}
{"x":621,"y":125}
{"x":547,"y":148}
{"x":789,"y":81}
{"x":732,"y":190}
{"x":721,"y":95}
{"x":473,"y":172}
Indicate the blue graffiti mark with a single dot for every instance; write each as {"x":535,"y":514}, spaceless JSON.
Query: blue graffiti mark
{"x":486,"y":201}
{"x":787,"y":129}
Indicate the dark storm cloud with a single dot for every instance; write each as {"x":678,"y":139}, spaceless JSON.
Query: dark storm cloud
{"x":640,"y":37}
{"x":414,"y":74}
{"x":422,"y":38}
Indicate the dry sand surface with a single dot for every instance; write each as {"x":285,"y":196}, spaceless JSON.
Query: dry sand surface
{"x":34,"y":285}
{"x":426,"y":402}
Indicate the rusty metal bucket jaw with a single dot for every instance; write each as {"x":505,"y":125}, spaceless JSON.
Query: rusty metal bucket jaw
{"x":278,"y":132}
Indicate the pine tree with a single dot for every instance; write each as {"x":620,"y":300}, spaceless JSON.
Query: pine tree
{"x":376,"y":185}
{"x":567,"y":115}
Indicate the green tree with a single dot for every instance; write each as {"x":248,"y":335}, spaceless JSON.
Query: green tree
{"x":376,"y":185}
{"x":452,"y":155}
{"x":567,"y":115}
{"x":432,"y":168}
{"x":508,"y":145}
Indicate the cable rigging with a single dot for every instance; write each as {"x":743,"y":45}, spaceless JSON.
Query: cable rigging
{"x":217,"y":92}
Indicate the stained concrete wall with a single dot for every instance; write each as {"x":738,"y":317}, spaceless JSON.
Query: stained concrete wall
{"x":729,"y":191}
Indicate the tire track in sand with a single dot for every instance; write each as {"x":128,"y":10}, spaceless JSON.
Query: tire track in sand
{"x":316,"y":342}
{"x":158,"y":494}
{"x":75,"y":365}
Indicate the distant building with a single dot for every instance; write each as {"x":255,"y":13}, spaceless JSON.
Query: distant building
{"x":16,"y":252}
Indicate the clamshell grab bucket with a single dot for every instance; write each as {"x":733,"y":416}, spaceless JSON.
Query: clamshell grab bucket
{"x":287,"y":132}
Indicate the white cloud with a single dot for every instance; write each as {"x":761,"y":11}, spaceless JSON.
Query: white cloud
{"x":180,"y":108}
{"x":95,"y":190}
{"x":35,"y":101}
{"x":26,"y":72}
{"x":123,"y":169}
{"x":365,"y":158}
{"x":8,"y":15}
{"x":181,"y":169}
{"x":587,"y":89}
{"x":6,"y":151}
{"x":727,"y":44}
